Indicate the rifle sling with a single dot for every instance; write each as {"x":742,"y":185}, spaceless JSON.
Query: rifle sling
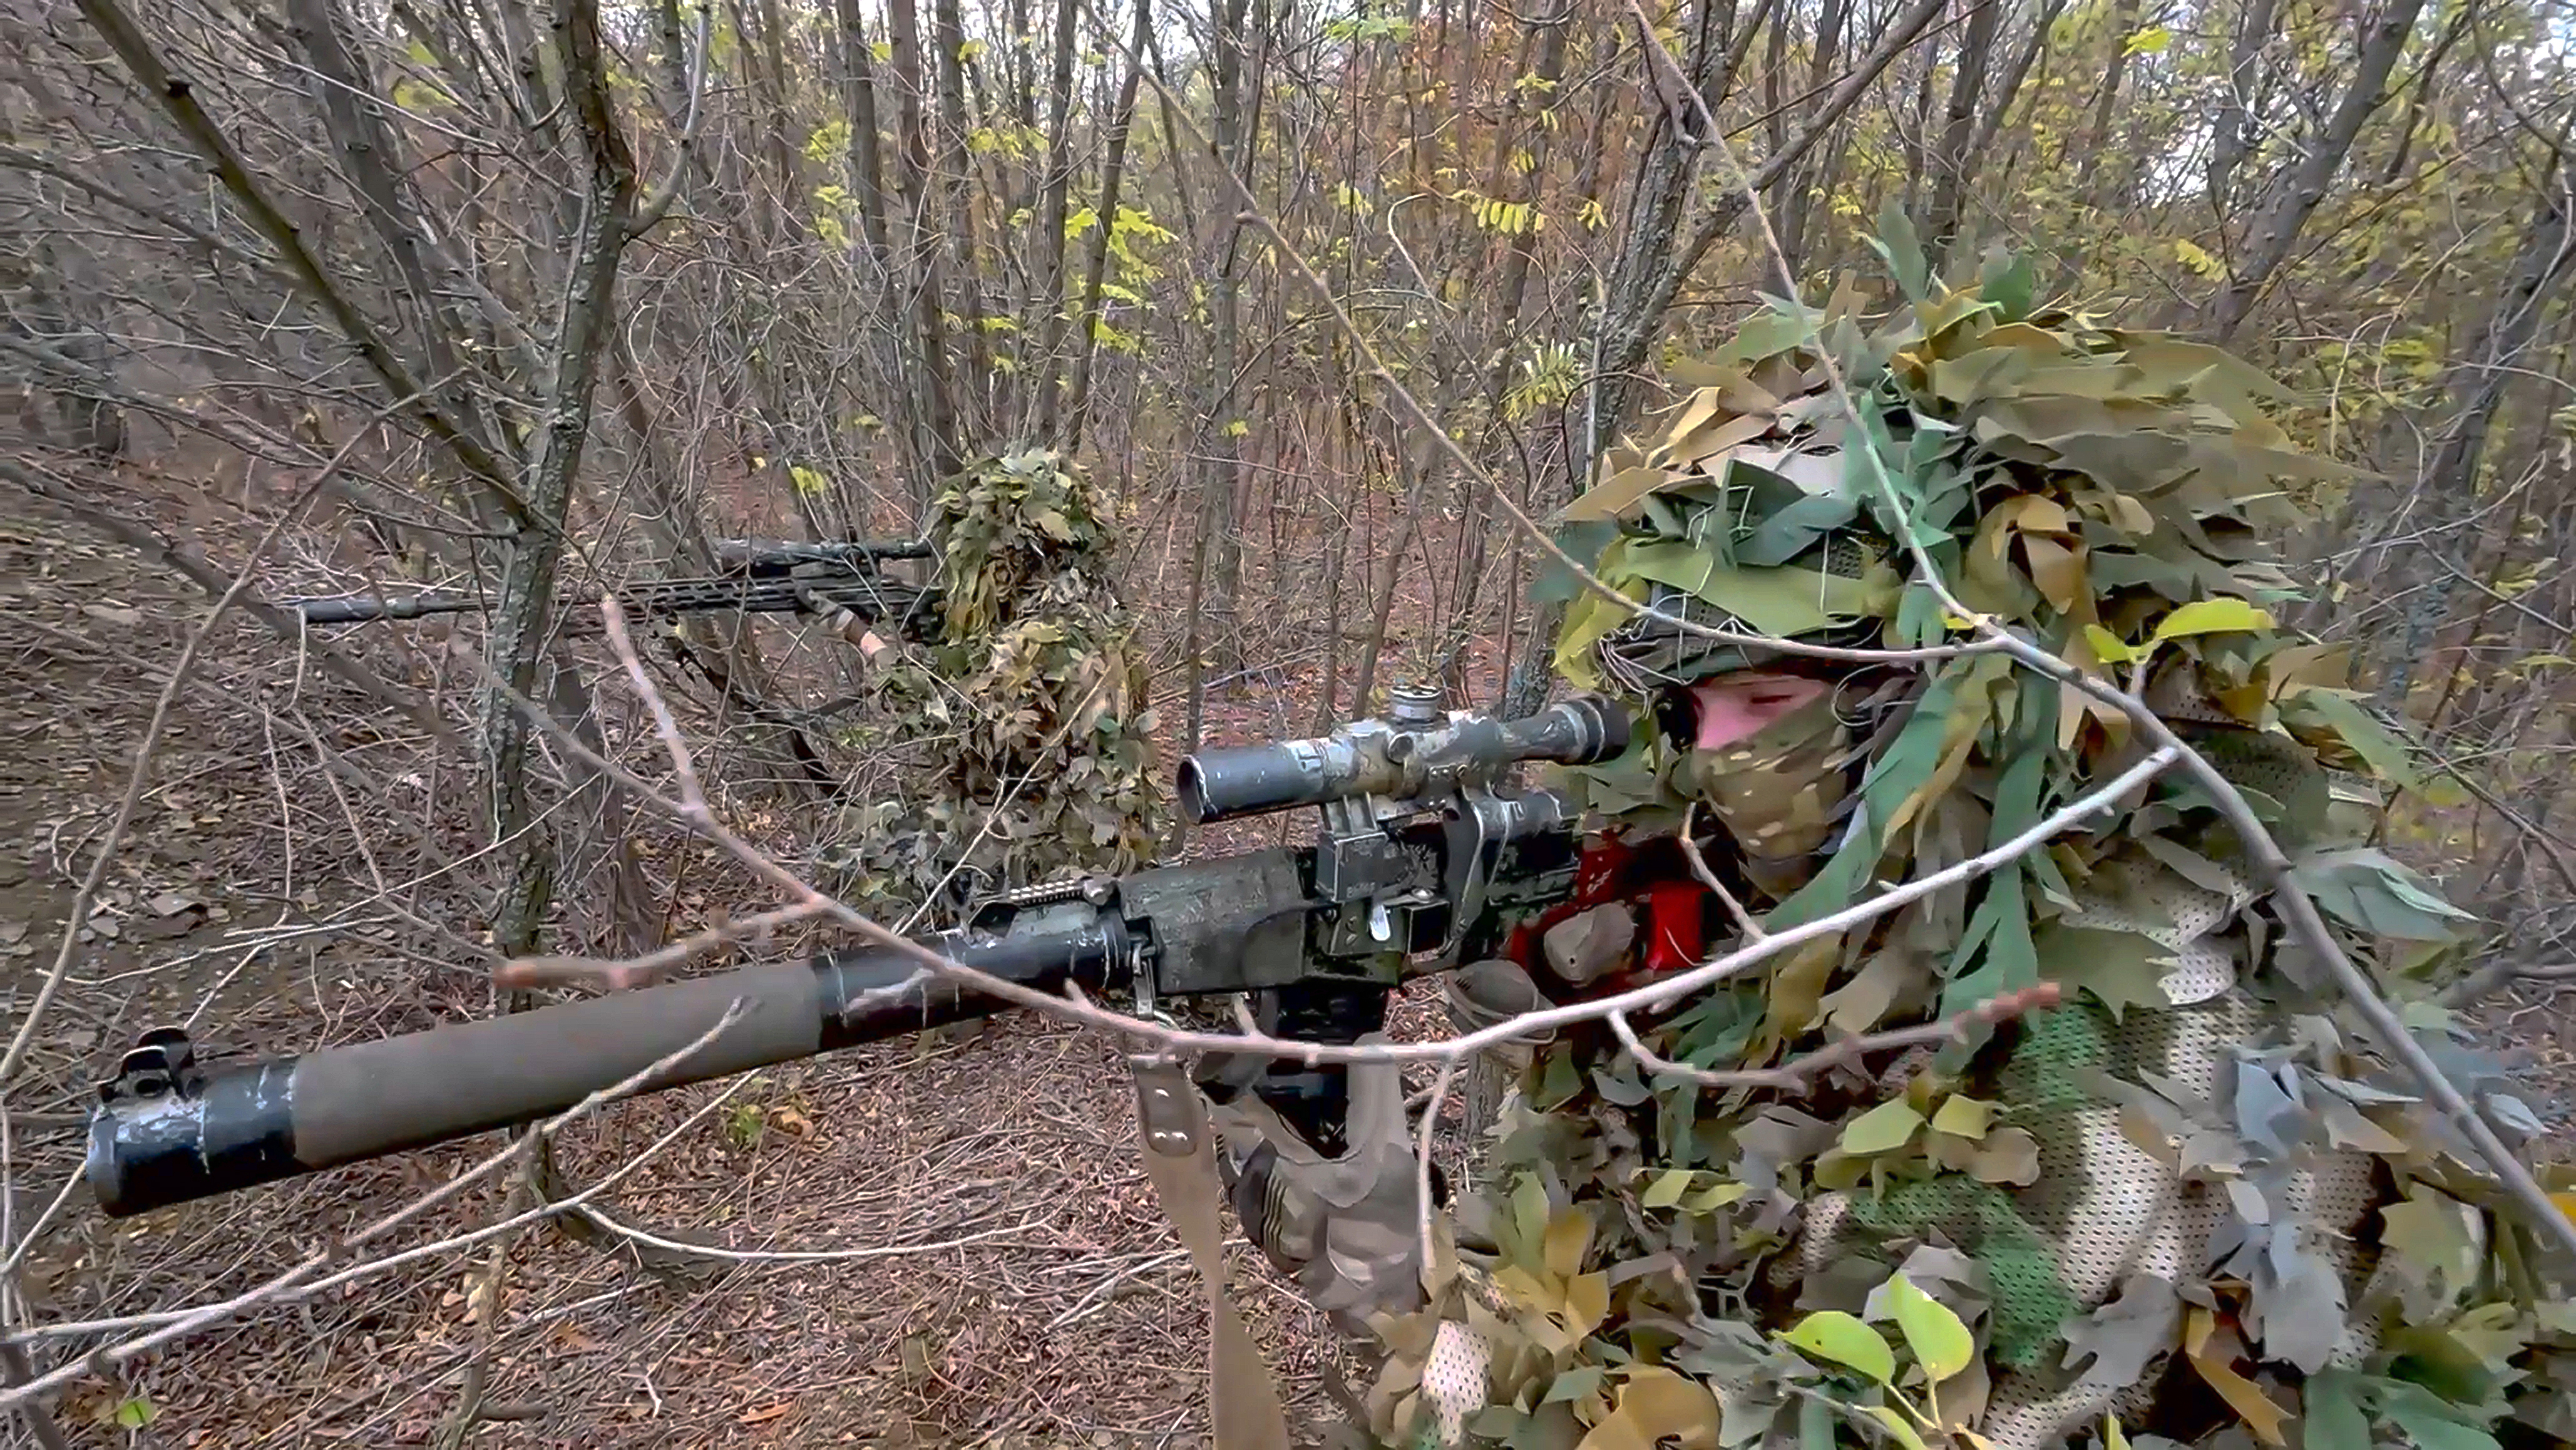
{"x":1243,"y":1399}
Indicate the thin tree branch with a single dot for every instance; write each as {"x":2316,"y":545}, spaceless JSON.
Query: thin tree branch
{"x":1795,"y":1074}
{"x":658,"y":201}
{"x":178,"y":97}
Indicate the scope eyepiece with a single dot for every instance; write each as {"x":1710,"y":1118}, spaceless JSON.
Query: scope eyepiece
{"x":1236,"y":781}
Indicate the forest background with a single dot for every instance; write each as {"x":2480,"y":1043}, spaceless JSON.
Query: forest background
{"x":541,"y":298}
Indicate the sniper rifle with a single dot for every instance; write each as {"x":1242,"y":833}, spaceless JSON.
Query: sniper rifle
{"x":759,"y":576}
{"x":1430,"y":856}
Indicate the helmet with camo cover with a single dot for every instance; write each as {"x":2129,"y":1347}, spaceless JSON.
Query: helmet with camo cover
{"x":2192,"y":1203}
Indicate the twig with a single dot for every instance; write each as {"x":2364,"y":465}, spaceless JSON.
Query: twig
{"x":36,"y":1230}
{"x":1097,"y":1294}
{"x":40,"y":1421}
{"x":1744,"y":921}
{"x":649,"y":215}
{"x":1422,"y":1158}
{"x":608,"y":976}
{"x":459,"y":1425}
{"x":801,"y":1256}
{"x":1793,"y":1075}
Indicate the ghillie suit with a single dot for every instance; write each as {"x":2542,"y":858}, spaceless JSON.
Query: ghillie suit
{"x":1021,"y":735}
{"x":2191,"y":1200}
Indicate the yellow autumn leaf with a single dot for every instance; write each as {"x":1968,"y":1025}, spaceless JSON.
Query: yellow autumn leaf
{"x":1569,"y":1238}
{"x":2198,"y":260}
{"x":2212,"y":616}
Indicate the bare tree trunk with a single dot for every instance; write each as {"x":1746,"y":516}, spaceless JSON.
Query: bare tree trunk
{"x":1509,"y":297}
{"x":1222,"y":476}
{"x":523,"y":612}
{"x":2492,"y":361}
{"x":2097,"y":137}
{"x":976,"y":407}
{"x":1940,"y":227}
{"x":2427,"y":82}
{"x":934,"y":414}
{"x":1096,"y":266}
{"x":2277,"y":232}
{"x":782,"y":158}
{"x":371,"y":161}
{"x":2231,"y":136}
{"x":1046,"y":327}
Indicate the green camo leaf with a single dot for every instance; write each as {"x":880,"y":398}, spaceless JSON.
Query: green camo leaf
{"x":1834,"y":1335}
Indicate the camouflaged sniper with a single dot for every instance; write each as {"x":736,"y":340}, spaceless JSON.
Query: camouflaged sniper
{"x":2192,"y":1205}
{"x":1023,"y":730}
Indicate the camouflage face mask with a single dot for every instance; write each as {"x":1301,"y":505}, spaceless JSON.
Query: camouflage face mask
{"x":1775,"y":780}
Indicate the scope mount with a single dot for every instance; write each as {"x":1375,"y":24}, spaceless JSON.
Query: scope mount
{"x":1392,"y":889}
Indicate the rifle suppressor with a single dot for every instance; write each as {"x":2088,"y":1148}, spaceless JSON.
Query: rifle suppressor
{"x":169,"y":1129}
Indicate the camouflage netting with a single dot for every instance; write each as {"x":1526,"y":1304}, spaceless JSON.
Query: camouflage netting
{"x":2193,"y":1203}
{"x":1023,"y":733}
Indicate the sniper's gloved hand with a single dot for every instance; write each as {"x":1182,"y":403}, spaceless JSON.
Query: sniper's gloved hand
{"x":836,"y":616}
{"x":1345,"y":1227}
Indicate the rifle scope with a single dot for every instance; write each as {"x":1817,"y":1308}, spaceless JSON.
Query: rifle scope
{"x":1415,"y":751}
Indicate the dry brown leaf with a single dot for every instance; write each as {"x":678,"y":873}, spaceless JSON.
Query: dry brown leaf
{"x":2210,"y":1355}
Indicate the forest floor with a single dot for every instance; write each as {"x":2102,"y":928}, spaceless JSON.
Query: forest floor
{"x":296,"y":876}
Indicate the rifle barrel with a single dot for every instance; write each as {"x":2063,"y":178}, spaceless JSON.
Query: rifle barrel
{"x":861,"y":591}
{"x":168,"y":1131}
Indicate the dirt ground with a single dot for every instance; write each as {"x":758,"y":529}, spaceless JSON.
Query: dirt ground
{"x":970,"y":1254}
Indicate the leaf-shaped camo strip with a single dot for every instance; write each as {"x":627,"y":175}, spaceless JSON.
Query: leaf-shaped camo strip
{"x":2113,"y":1209}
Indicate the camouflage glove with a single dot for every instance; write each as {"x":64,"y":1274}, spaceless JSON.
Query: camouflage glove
{"x":1345,"y":1229}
